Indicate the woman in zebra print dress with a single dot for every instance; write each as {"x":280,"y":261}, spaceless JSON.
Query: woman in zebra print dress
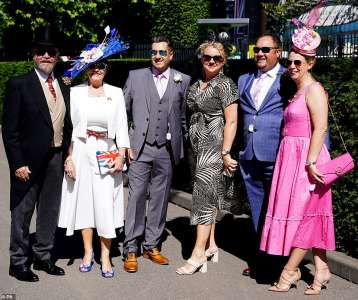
{"x":213,"y":105}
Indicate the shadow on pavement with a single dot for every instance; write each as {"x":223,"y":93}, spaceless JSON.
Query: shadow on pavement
{"x":71,"y":247}
{"x":236,"y":236}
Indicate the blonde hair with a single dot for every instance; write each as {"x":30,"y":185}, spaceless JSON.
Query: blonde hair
{"x":217,"y":45}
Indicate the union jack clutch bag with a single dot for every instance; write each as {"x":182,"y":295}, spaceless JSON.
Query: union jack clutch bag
{"x":105,"y":159}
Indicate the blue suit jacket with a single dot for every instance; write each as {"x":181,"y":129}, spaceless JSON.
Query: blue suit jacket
{"x":263,"y":142}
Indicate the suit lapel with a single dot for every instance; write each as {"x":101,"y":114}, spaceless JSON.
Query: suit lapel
{"x":65,"y":90}
{"x":272,"y":89}
{"x":38,"y":92}
{"x":171,"y":89}
{"x":247,"y":90}
{"x":151,"y":90}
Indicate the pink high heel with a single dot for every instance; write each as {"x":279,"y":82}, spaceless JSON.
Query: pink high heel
{"x":288,"y":279}
{"x":318,"y":284}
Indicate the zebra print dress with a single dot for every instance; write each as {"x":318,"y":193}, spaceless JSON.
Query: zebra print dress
{"x":212,"y":190}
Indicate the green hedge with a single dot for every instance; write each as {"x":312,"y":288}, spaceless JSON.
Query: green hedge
{"x":341,"y":75}
{"x":335,"y":74}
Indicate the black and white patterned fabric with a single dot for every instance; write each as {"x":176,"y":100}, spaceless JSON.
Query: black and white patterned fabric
{"x":212,"y":190}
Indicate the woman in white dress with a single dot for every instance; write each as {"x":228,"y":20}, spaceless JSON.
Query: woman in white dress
{"x":91,"y":199}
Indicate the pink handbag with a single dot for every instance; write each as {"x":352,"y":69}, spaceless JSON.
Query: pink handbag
{"x":339,"y":166}
{"x":336,"y":168}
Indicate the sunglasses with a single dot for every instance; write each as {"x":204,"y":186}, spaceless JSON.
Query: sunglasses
{"x":264,"y":49}
{"x":296,"y":62}
{"x":162,"y":53}
{"x":99,"y":66}
{"x":217,"y":58}
{"x":42,"y":51}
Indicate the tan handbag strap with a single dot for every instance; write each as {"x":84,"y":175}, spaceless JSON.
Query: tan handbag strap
{"x":335,"y":122}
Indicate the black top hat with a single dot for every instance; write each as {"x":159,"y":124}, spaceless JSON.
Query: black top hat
{"x":45,"y":37}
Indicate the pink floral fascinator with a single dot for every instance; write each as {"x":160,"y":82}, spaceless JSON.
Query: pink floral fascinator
{"x":304,"y":39}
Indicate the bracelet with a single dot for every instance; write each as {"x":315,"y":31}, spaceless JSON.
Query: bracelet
{"x":225,"y":152}
{"x":310,"y":163}
{"x":122,"y":156}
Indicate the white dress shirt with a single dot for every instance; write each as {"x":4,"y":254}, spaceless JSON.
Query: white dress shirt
{"x":265,"y":83}
{"x":161,"y":80}
{"x":43,"y":77}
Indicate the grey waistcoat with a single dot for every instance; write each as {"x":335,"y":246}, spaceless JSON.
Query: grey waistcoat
{"x":158,"y":118}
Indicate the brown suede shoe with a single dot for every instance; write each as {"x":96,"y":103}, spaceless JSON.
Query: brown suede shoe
{"x":155,"y":256}
{"x":130,"y":263}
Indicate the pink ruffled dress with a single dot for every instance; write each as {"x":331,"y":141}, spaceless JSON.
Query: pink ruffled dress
{"x":299,"y":213}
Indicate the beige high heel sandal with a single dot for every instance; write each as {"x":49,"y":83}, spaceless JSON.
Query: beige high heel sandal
{"x":201,"y":266}
{"x":284,"y":284}
{"x":317,"y":285}
{"x":213,"y":254}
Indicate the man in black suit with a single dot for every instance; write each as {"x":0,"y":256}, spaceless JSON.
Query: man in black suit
{"x":36,"y":130}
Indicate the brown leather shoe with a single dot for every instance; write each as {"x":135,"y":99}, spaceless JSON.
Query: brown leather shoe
{"x":130,"y":263}
{"x":155,"y":256}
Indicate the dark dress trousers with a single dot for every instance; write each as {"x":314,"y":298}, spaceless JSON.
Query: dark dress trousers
{"x":27,"y":132}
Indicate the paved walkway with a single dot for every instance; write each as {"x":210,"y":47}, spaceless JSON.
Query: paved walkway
{"x":223,"y":280}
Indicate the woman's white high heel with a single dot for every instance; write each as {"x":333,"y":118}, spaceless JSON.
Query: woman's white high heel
{"x":194,"y":266}
{"x":213,"y":254}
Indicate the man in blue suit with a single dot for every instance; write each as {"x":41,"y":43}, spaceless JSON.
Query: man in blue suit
{"x":261,"y":102}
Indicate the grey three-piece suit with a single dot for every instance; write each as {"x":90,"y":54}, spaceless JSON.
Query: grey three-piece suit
{"x":155,"y":152}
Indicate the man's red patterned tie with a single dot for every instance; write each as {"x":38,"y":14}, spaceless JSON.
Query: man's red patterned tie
{"x":50,"y":86}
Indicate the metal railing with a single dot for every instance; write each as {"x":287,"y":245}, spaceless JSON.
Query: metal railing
{"x":181,"y":53}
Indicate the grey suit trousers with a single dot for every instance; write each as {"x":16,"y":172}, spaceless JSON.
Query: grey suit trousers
{"x":45,"y":194}
{"x":151,"y":172}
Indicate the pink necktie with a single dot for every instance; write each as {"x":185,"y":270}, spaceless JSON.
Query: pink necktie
{"x":159,"y":84}
{"x":50,"y":86}
{"x":255,"y":94}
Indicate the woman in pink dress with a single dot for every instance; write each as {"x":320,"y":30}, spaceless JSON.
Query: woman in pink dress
{"x":299,"y":215}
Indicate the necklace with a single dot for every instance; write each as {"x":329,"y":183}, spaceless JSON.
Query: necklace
{"x":96,"y":92}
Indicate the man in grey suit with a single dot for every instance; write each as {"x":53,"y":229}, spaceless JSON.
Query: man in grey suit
{"x":156,"y":109}
{"x":261,"y":102}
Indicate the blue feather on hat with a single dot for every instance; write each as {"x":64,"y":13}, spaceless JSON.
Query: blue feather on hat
{"x":93,"y":53}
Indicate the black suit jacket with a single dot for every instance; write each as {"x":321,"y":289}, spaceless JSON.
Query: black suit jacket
{"x":27,"y":129}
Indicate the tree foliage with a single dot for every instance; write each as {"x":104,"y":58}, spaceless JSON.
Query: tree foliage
{"x":178,"y":19}
{"x":79,"y":22}
{"x":72,"y":18}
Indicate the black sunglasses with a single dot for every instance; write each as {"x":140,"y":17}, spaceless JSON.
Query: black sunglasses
{"x":42,"y":51}
{"x":296,"y":62}
{"x":264,"y":49}
{"x":216,"y":58}
{"x":99,"y":66}
{"x":161,"y":52}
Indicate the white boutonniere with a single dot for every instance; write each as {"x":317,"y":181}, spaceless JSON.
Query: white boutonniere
{"x":66,"y":80}
{"x":178,"y":78}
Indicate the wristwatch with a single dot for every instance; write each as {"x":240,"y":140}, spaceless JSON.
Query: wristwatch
{"x":225,"y":152}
